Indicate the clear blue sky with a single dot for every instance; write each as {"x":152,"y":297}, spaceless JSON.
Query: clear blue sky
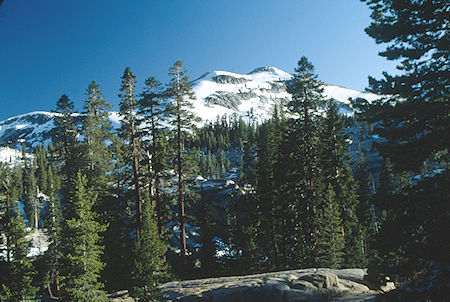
{"x":51,"y":47}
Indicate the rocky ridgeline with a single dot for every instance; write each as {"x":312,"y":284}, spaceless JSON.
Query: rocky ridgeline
{"x":287,"y":286}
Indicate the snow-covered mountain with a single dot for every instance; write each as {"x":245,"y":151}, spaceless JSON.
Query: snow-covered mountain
{"x":251,"y":95}
{"x":222,"y":92}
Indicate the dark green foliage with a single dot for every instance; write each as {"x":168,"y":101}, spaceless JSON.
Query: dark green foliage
{"x":81,"y":261}
{"x":42,"y":169}
{"x":247,"y":173}
{"x":305,"y":167}
{"x":268,"y":143}
{"x":30,"y":194}
{"x":53,"y":223}
{"x":150,"y":267}
{"x":330,"y":237}
{"x":366,"y":209}
{"x":414,"y":236}
{"x":337,"y":173}
{"x":96,"y":129}
{"x":152,"y":109}
{"x":65,"y":140}
{"x":244,"y":234}
{"x":16,"y":270}
{"x":208,"y":259}
{"x":180,"y":91}
{"x":413,"y":118}
{"x":130,"y":135}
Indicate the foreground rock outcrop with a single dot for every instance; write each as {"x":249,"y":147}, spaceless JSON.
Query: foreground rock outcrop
{"x":286,"y":286}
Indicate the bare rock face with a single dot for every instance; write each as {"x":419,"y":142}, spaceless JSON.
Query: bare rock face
{"x":287,"y":286}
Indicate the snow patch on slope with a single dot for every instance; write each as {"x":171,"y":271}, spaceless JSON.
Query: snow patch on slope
{"x":258,"y":90}
{"x":254,"y":95}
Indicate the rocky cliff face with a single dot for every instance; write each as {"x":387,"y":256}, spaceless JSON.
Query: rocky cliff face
{"x":296,"y":285}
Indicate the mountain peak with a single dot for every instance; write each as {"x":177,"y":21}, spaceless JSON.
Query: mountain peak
{"x":272,"y":70}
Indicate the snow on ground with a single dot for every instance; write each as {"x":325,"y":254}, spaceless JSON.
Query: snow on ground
{"x":225,"y":251}
{"x":12,"y":156}
{"x":342,"y":94}
{"x":39,"y":242}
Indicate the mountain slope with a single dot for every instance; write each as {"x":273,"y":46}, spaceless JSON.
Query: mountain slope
{"x":251,"y":96}
{"x":222,"y":92}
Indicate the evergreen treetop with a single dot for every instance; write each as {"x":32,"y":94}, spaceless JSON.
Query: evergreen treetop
{"x":414,"y":113}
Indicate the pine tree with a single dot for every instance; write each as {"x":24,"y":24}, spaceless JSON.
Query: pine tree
{"x":183,"y":120}
{"x":331,"y":238}
{"x":96,"y":129}
{"x":413,"y":119}
{"x":285,"y":196}
{"x":208,"y":250}
{"x":81,"y":261}
{"x":118,"y":256}
{"x":266,"y":188}
{"x":337,"y":173}
{"x":247,"y":172}
{"x":53,"y":229}
{"x":16,"y":270}
{"x":129,"y":133}
{"x":67,"y":150}
{"x":307,"y":96}
{"x":151,"y":112}
{"x":65,"y":138}
{"x":243,"y":232}
{"x":413,"y":116}
{"x":30,"y":194}
{"x":365,"y":210}
{"x":42,"y":166}
{"x":150,"y":267}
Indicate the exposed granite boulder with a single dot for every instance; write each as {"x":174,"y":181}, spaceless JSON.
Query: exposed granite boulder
{"x":227,"y":79}
{"x":121,"y":296}
{"x":287,"y":286}
{"x":225,"y":99}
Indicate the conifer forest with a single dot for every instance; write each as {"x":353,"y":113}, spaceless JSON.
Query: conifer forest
{"x":133,"y":206}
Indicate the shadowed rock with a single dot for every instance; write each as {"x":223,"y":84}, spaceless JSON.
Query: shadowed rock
{"x":296,"y":285}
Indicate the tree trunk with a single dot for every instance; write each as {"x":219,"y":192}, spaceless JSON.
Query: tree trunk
{"x":159,"y":208}
{"x":8,"y":250}
{"x":36,"y":220}
{"x":180,"y":191}
{"x":137,"y":192}
{"x":150,"y":178}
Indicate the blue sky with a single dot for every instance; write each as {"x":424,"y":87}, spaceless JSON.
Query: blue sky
{"x":51,"y":47}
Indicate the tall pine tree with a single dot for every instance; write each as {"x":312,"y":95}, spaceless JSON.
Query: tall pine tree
{"x":81,"y":261}
{"x":96,"y":130}
{"x":129,"y":133}
{"x":337,"y":173}
{"x":413,"y":118}
{"x":305,"y":170}
{"x":151,"y":111}
{"x":183,"y":120}
{"x":150,"y":267}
